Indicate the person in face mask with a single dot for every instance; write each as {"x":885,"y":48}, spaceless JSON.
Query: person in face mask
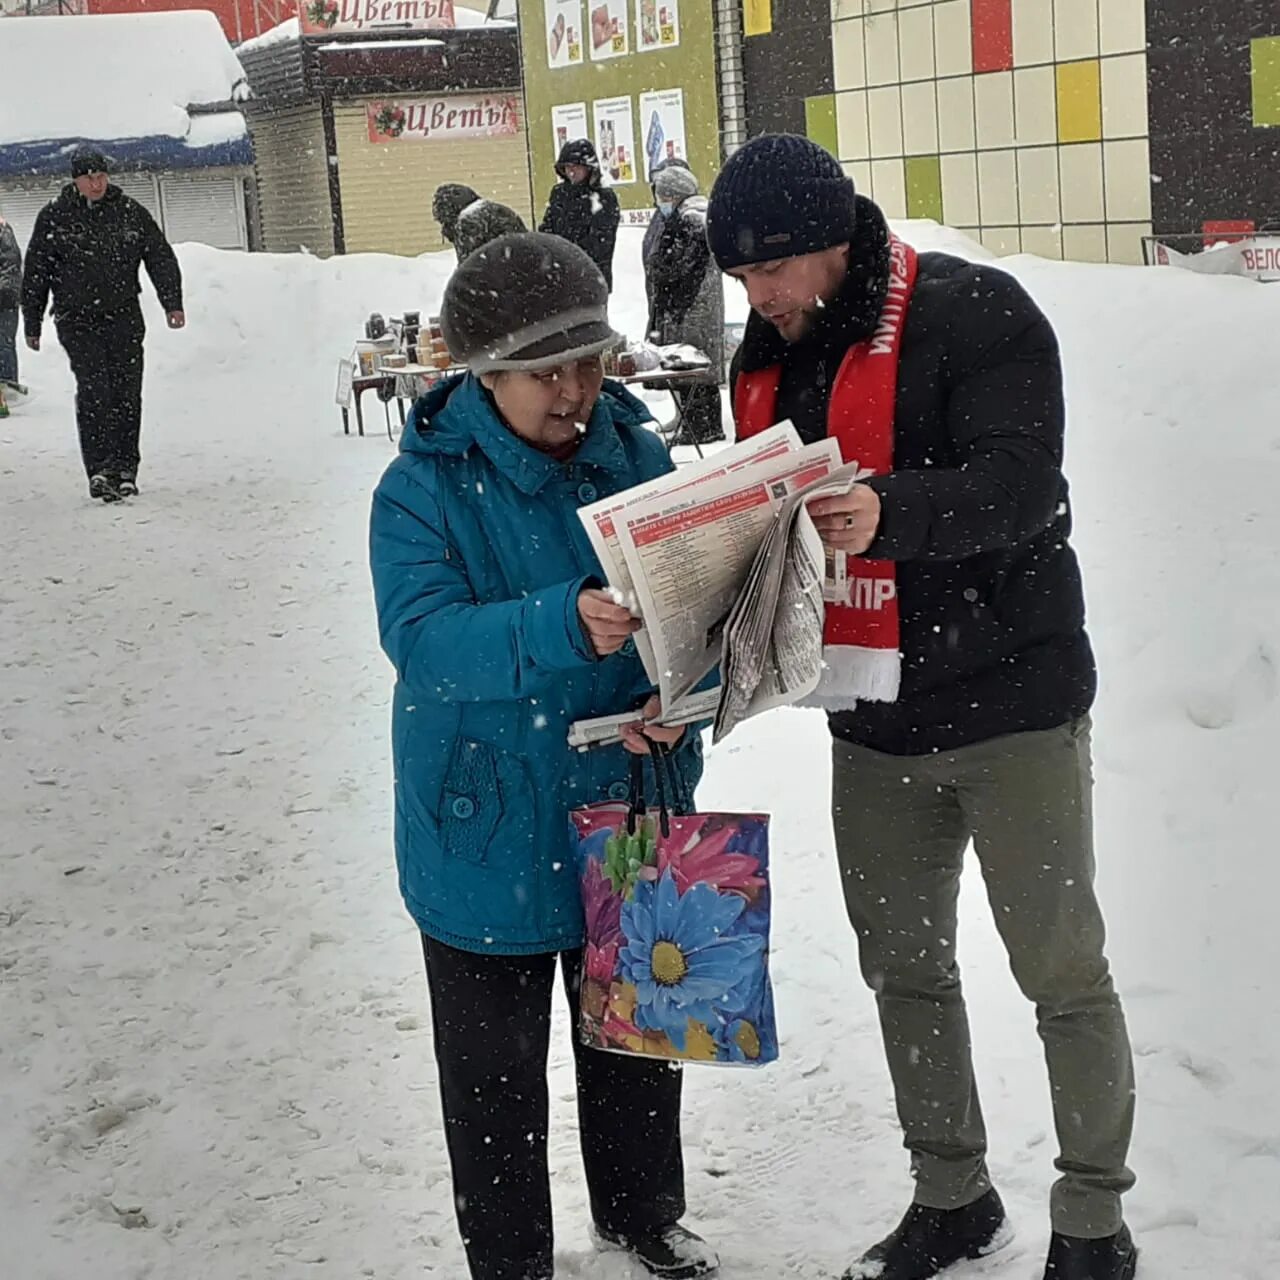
{"x":686,"y":293}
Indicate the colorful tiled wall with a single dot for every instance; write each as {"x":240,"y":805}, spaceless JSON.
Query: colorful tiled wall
{"x":1214,"y":80}
{"x":1022,"y":122}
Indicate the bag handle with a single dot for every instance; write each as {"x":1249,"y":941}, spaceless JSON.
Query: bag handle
{"x":636,"y":808}
{"x":667,"y":780}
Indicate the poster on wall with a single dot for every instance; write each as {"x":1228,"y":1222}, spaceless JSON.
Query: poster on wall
{"x":448,"y":119}
{"x":662,"y":123}
{"x":657,"y":24}
{"x":757,"y":17}
{"x":608,"y":28}
{"x":616,"y":140}
{"x":323,"y":17}
{"x":568,"y":123}
{"x":564,"y":33}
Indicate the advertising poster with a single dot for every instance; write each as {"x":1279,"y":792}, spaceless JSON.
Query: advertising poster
{"x":657,"y":24}
{"x":616,"y":140}
{"x":563,"y":32}
{"x":568,"y":122}
{"x":607,"y":29}
{"x":443,"y":119}
{"x":662,"y":126}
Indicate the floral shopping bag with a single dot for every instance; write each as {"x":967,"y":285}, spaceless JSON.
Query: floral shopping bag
{"x":677,"y":931}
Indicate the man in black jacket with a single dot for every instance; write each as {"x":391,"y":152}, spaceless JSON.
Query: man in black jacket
{"x":85,"y":252}
{"x":582,"y":209}
{"x":982,"y":733}
{"x":10,"y":298}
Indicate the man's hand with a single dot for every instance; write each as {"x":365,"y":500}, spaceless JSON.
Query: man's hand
{"x":177,"y":319}
{"x":608,"y":625}
{"x":634,"y":735}
{"x":849,"y":522}
{"x":33,"y":341}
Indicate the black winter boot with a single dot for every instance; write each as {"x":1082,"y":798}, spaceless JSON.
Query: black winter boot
{"x":104,"y":487}
{"x":929,"y":1241}
{"x":674,"y":1253}
{"x":1111,"y":1258}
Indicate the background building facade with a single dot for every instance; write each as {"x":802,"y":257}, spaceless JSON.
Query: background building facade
{"x":1066,"y":128}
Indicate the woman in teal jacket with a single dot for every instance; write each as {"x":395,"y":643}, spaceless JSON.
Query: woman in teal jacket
{"x":490,"y":606}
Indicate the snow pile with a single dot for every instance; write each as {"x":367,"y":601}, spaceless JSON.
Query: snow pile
{"x":217,"y":1050}
{"x":113,"y":76}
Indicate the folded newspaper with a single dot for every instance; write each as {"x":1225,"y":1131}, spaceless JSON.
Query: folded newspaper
{"x":723,"y":566}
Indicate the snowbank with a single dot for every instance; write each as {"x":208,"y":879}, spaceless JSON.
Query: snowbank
{"x":113,"y":76}
{"x":217,"y":1053}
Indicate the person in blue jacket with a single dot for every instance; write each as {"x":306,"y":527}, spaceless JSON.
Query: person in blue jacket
{"x":492,"y":609}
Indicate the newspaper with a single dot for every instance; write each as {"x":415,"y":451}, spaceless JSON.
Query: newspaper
{"x":690,"y":553}
{"x":599,"y":517}
{"x":772,"y":651}
{"x":604,"y":730}
{"x":724,"y":567}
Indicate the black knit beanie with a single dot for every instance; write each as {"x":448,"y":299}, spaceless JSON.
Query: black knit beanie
{"x":527,"y":302}
{"x":448,"y":203}
{"x":87,"y":160}
{"x":780,"y":196}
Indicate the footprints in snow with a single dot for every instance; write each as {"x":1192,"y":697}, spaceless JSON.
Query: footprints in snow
{"x":1248,"y":693}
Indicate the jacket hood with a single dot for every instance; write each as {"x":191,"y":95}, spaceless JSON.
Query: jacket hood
{"x":458,"y":415}
{"x":579,"y":151}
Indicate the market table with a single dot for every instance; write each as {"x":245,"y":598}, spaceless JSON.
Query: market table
{"x":671,"y":380}
{"x":389,"y":384}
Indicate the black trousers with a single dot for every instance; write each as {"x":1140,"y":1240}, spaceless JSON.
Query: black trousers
{"x":106,"y":358}
{"x":491,"y":1018}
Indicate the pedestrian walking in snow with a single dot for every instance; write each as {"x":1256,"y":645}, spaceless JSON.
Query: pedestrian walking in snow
{"x":85,"y":252}
{"x":959,"y":679}
{"x":10,"y":299}
{"x":490,"y":608}
{"x":686,"y":296}
{"x":582,"y":209}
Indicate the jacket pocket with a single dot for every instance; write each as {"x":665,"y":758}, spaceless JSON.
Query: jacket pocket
{"x":471,"y":804}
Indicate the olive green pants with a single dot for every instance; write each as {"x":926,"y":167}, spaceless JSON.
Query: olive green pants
{"x":902,"y":826}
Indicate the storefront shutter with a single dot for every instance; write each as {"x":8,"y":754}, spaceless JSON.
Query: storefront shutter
{"x":206,"y":208}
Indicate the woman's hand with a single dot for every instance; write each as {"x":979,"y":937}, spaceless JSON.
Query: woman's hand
{"x":636,"y":737}
{"x":848,"y":522}
{"x":608,"y":625}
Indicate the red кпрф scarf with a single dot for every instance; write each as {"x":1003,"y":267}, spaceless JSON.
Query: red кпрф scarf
{"x":861,"y":658}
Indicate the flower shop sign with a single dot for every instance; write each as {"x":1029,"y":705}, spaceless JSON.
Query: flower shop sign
{"x":323,"y":17}
{"x":448,"y":119}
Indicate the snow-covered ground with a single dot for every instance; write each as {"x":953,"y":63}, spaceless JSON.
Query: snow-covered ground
{"x":215,"y":1057}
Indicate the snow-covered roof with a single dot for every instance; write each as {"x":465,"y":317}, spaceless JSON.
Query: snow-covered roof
{"x":105,"y":77}
{"x":289,"y":29}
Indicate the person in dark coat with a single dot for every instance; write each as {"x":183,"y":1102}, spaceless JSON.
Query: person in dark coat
{"x":85,"y":252}
{"x":490,"y":608}
{"x":582,"y":209}
{"x":450,"y":199}
{"x":10,"y":299}
{"x":482,"y":221}
{"x":653,"y":232}
{"x":958,"y":677}
{"x":686,"y":297}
